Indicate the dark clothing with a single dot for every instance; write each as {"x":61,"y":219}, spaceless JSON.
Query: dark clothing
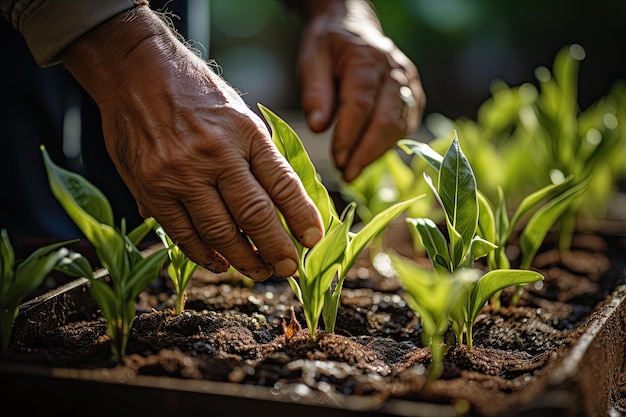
{"x":36,"y":105}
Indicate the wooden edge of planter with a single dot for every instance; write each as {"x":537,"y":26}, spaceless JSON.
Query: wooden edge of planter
{"x":585,"y":381}
{"x":598,"y":358}
{"x":163,"y":396}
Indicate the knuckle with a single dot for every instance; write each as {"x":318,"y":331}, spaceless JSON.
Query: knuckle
{"x":392,"y":120}
{"x":255,"y":212}
{"x":186,"y":240}
{"x":285,"y":187}
{"x":219,"y":232}
{"x":363,"y":101}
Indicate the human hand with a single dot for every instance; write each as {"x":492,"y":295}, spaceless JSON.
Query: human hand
{"x":350,"y":69}
{"x":192,"y":153}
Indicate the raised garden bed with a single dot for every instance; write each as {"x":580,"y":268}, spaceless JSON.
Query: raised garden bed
{"x":237,"y":350}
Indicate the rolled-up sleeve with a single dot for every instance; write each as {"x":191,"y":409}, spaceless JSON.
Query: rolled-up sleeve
{"x":49,"y":26}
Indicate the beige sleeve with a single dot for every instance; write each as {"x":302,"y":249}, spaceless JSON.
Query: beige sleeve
{"x":51,"y":25}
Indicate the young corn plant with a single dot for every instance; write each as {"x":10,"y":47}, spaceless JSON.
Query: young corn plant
{"x":322,"y":269}
{"x":543,"y":209}
{"x":129,"y":271}
{"x":540,"y":211}
{"x":180,"y":269}
{"x":434,"y":298}
{"x":457,"y":195}
{"x":18,"y":279}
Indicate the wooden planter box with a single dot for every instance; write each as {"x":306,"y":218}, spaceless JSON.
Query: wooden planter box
{"x":587,"y":380}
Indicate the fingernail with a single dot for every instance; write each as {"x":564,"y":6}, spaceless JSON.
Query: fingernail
{"x":316,"y":119}
{"x":351,"y":173}
{"x":311,"y":236}
{"x":285,"y":267}
{"x":341,"y":157}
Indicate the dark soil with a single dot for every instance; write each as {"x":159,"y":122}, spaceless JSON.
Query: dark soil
{"x":234,"y":331}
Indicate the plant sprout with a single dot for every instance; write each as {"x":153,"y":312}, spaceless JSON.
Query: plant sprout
{"x":542,"y":208}
{"x":129,"y":271}
{"x":331,"y":258}
{"x":451,"y":299}
{"x":18,"y":279}
{"x":433,"y":297}
{"x":180,"y":269}
{"x":457,"y":195}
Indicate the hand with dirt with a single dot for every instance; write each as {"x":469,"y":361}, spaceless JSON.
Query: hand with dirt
{"x":193,"y":154}
{"x":349,"y":67}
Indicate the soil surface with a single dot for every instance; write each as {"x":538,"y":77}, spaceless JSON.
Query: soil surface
{"x":237,"y":331}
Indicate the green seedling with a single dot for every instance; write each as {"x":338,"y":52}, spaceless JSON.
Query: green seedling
{"x":18,"y":279}
{"x":444,"y":299}
{"x":457,"y":195}
{"x":433,"y":297}
{"x":180,"y":269}
{"x":543,"y":208}
{"x":540,"y":210}
{"x":566,"y":141}
{"x":128,"y":270}
{"x":330,"y":259}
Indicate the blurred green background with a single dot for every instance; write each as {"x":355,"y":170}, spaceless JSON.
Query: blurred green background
{"x":459,"y":46}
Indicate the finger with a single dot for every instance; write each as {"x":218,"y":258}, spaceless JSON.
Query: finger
{"x":177,"y":223}
{"x":318,"y":89}
{"x":216,"y":226}
{"x":257,"y":218}
{"x":397,"y":114}
{"x":359,"y":84}
{"x":289,"y":195}
{"x":386,"y":126}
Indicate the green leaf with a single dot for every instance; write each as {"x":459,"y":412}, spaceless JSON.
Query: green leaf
{"x":79,"y":199}
{"x":290,"y":146}
{"x":83,"y":193}
{"x":433,"y":240}
{"x":542,"y":220}
{"x":457,"y":189}
{"x":503,"y":226}
{"x":75,"y":265}
{"x":144,"y":273}
{"x":331,"y":248}
{"x":431,"y":156}
{"x":480,"y":247}
{"x":533,"y":200}
{"x":486,"y":219}
{"x":7,"y":262}
{"x":496,"y":280}
{"x":33,"y":270}
{"x":427,"y":294}
{"x":295,"y":286}
{"x":140,"y":232}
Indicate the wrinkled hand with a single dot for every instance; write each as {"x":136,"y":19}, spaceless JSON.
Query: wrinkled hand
{"x":349,"y":67}
{"x":195,"y":157}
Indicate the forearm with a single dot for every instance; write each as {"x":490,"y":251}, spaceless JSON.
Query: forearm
{"x":50,"y":26}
